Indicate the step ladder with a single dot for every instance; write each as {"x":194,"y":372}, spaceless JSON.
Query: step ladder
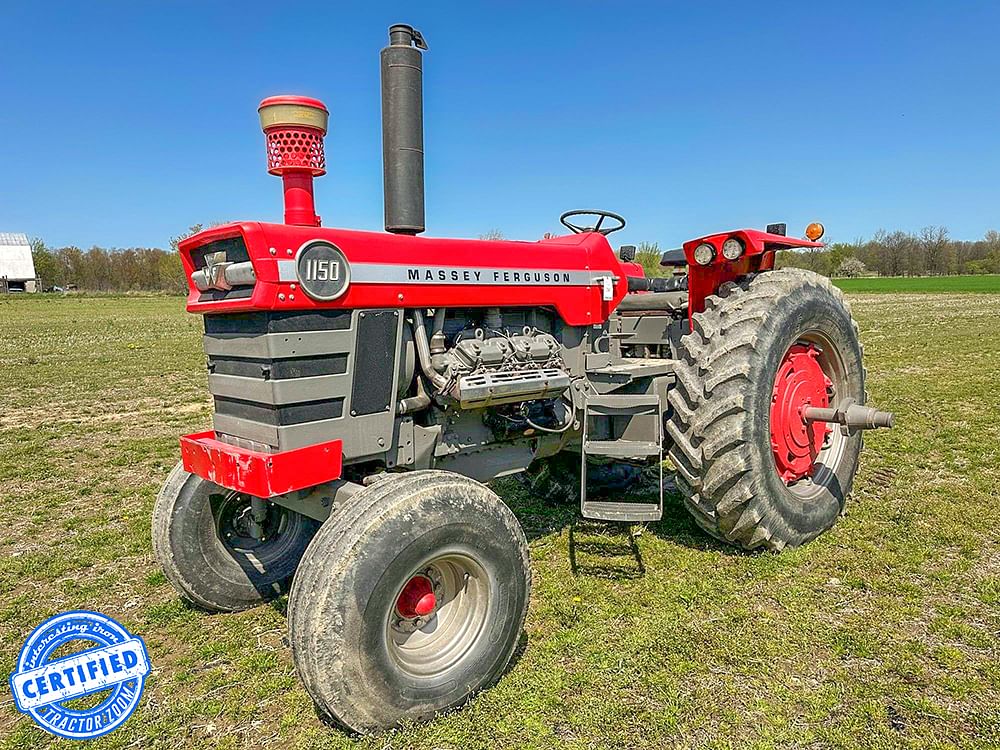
{"x":622,"y":405}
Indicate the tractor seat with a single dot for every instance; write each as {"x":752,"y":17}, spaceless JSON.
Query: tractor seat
{"x":673,"y":258}
{"x":655,"y":294}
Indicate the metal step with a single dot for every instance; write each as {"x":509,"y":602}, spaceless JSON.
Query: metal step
{"x":612,"y":511}
{"x":621,"y":448}
{"x":614,"y":404}
{"x":621,"y":405}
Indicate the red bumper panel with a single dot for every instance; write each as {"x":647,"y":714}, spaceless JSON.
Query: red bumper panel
{"x":260,"y":474}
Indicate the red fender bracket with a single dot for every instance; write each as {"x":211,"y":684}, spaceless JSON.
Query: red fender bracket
{"x":260,"y":474}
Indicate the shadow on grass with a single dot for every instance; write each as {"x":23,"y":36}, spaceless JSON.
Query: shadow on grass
{"x":606,"y":551}
{"x":608,"y":540}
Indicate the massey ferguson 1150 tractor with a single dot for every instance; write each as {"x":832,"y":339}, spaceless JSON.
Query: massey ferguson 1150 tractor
{"x":367,"y":384}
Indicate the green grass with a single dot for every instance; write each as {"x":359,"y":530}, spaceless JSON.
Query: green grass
{"x":986,"y":284}
{"x":880,"y":634}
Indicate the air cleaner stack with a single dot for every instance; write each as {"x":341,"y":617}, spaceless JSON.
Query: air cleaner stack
{"x":294,"y":127}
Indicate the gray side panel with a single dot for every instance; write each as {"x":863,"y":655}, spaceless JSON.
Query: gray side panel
{"x":644,"y":329}
{"x":363,"y":436}
{"x":280,"y":345}
{"x":280,"y":391}
{"x":278,"y":412}
{"x":246,"y":430}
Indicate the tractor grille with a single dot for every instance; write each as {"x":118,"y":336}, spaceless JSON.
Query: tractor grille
{"x":285,"y":380}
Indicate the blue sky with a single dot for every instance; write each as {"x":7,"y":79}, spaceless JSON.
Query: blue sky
{"x":123,"y":123}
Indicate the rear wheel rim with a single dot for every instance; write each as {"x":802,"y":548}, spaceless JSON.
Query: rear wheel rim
{"x":807,"y":455}
{"x":428,"y":643}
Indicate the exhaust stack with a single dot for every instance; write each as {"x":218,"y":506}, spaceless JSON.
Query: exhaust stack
{"x":403,"y":130}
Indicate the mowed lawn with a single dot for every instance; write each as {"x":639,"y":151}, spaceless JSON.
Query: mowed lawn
{"x":985,"y":284}
{"x":880,"y":634}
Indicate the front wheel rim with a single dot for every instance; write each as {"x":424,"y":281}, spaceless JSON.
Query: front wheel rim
{"x":438,"y":615}
{"x":232,"y":527}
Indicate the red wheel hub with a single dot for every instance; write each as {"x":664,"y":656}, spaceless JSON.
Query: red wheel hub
{"x":800,"y":383}
{"x":417,"y":598}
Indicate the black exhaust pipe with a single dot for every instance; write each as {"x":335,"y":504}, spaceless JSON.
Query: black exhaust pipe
{"x":403,"y":130}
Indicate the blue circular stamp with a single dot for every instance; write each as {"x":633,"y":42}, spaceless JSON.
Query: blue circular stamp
{"x":47,"y":687}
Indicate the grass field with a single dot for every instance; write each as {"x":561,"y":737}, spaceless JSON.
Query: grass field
{"x":881,"y":634}
{"x":986,"y":284}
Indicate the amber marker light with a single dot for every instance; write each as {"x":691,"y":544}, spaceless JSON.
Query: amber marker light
{"x":814,"y":231}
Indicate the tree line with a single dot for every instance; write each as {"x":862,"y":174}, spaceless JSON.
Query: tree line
{"x":931,"y":251}
{"x":99,"y":269}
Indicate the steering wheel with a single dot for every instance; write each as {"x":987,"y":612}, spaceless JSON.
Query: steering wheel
{"x":576,"y":229}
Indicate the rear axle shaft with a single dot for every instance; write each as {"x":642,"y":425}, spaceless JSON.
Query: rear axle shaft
{"x":851,"y":416}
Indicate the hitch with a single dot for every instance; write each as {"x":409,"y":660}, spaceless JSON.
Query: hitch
{"x":850,"y":416}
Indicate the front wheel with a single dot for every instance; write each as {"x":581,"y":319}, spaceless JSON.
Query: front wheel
{"x":215,"y":554}
{"x":752,"y":470}
{"x":409,"y":600}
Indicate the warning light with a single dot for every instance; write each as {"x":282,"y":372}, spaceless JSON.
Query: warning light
{"x":814,"y":231}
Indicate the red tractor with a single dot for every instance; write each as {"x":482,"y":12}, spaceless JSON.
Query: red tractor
{"x":367,"y":384}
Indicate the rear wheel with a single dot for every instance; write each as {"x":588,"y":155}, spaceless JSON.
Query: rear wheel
{"x":409,"y":600}
{"x":753,"y":472}
{"x":206,"y":541}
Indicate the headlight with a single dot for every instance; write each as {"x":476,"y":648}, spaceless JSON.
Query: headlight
{"x":732,"y":248}
{"x":704,"y":254}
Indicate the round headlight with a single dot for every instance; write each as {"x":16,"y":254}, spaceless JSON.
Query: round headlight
{"x":704,"y":254}
{"x":732,"y":248}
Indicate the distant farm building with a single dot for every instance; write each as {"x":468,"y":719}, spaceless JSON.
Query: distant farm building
{"x":17,"y":269}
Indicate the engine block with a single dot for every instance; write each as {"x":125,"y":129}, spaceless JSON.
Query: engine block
{"x":493,"y":366}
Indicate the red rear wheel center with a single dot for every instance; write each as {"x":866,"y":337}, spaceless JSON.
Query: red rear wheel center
{"x":417,"y":598}
{"x":800,"y":383}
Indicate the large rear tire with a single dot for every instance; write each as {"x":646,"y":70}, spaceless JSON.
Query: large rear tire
{"x":751,"y":475}
{"x":201,"y":539}
{"x":409,"y":600}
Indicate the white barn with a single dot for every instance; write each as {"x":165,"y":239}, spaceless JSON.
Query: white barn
{"x":17,"y":269}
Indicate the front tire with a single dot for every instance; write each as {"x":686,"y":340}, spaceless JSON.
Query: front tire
{"x":409,"y":600}
{"x":202,"y":542}
{"x":751,"y":471}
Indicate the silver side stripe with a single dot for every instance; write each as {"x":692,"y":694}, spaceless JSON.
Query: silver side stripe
{"x":392,"y":273}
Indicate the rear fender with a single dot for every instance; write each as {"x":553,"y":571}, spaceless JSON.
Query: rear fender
{"x":759,"y":256}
